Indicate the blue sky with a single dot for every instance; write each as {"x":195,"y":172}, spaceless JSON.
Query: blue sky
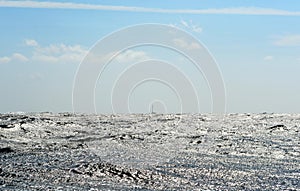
{"x":255,"y":43}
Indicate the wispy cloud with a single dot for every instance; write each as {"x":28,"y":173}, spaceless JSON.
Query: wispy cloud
{"x":64,"y":5}
{"x":186,"y":45}
{"x":288,"y":40}
{"x":4,"y":60}
{"x":268,"y":58}
{"x":16,"y":57}
{"x":30,"y":42}
{"x":189,"y":25}
{"x":19,"y":57}
{"x":53,"y":53}
{"x":59,"y":53}
{"x":132,"y":56}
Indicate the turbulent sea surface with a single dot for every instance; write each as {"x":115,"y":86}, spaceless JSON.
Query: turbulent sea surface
{"x":45,"y":151}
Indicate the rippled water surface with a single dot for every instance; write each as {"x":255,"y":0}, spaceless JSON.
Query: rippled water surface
{"x":149,"y":152}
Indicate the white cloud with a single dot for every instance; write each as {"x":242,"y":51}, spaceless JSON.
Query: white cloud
{"x":44,"y":58}
{"x":19,"y":57}
{"x":59,"y":53}
{"x":184,"y":23}
{"x":190,"y":26}
{"x":31,"y":42}
{"x":268,"y":58}
{"x":16,"y":57}
{"x":53,"y":53}
{"x":129,"y":56}
{"x":4,"y":59}
{"x":83,"y":6}
{"x":197,"y":29}
{"x":132,"y":56}
{"x":288,"y":40}
{"x":186,"y":45}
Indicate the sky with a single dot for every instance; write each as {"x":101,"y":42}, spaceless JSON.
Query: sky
{"x":255,"y":44}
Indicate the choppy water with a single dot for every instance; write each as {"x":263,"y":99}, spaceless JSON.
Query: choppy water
{"x":41,"y":151}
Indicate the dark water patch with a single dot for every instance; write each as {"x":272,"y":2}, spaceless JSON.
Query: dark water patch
{"x":6,"y":150}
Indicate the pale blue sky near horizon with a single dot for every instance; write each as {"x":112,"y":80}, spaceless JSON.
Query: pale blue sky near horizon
{"x":255,"y":43}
